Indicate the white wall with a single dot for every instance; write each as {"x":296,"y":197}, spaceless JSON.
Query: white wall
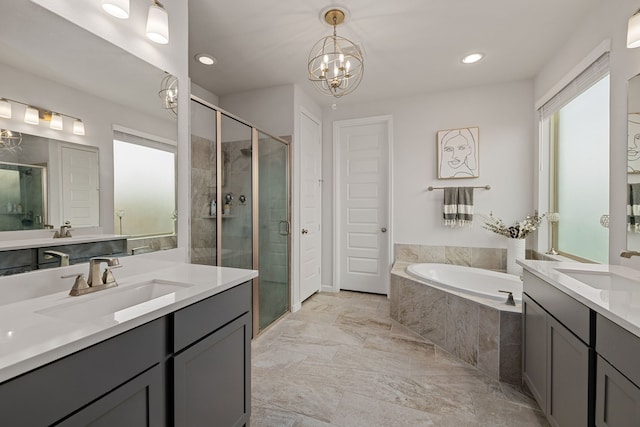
{"x":503,"y":114}
{"x":269,"y":109}
{"x":173,"y":58}
{"x":607,"y":21}
{"x":204,"y":94}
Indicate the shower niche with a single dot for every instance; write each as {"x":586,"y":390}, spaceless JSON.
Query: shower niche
{"x":240,"y":205}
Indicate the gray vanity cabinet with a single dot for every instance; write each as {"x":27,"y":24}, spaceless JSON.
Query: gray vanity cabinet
{"x":188,"y":368}
{"x":137,"y":403}
{"x":617,"y":376}
{"x":557,"y":356}
{"x":213,"y":397}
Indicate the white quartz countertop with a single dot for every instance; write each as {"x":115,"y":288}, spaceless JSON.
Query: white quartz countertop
{"x":8,"y":245}
{"x":621,"y":306}
{"x":30,"y":338}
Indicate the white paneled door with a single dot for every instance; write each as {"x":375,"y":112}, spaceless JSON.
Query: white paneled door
{"x":80,"y":192}
{"x":362,"y":204}
{"x":310,"y":206}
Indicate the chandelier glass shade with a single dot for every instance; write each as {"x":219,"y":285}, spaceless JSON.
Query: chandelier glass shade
{"x":169,"y":94}
{"x":10,"y":140}
{"x":336,"y":64}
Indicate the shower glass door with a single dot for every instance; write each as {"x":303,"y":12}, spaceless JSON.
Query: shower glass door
{"x":273,"y":223}
{"x":236,"y":197}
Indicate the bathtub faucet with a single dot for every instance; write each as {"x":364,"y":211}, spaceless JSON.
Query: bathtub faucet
{"x":510,"y":300}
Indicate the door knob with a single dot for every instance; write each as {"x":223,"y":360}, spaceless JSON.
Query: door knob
{"x":305,"y":231}
{"x":383,"y":229}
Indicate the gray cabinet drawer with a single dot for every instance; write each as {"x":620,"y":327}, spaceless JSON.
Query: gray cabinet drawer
{"x":619,"y":347}
{"x":47,"y":394}
{"x":16,"y":259}
{"x":200,"y":319}
{"x":571,"y":313}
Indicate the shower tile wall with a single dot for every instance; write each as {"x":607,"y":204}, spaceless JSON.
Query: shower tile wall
{"x":236,"y":228}
{"x":203,"y":187}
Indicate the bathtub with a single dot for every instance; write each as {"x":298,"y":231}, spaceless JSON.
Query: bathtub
{"x":469,"y":280}
{"x":460,"y":309}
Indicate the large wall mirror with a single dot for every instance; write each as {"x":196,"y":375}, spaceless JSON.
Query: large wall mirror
{"x":55,"y":66}
{"x":633,"y":164}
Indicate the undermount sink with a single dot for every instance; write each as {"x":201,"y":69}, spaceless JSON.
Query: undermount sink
{"x":120,"y":304}
{"x":603,"y":280}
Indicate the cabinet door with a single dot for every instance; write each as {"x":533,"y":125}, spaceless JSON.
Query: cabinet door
{"x":568,"y":378}
{"x":212,"y":378}
{"x":534,"y":354}
{"x":139,"y":402}
{"x":617,"y":398}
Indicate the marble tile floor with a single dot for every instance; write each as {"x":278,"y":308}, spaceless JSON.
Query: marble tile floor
{"x":342,"y":361}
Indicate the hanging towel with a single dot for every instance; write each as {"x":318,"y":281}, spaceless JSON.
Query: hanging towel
{"x":633,"y":208}
{"x":450,"y":208}
{"x":465,"y":206}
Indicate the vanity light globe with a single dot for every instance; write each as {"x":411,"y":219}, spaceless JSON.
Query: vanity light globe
{"x":116,"y":8}
{"x":56,"y":121}
{"x":78,"y":127}
{"x":633,"y":31}
{"x":5,"y":109}
{"x":158,"y":24}
{"x":31,"y":116}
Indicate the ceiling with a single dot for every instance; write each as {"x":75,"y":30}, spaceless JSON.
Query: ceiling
{"x":410,"y":46}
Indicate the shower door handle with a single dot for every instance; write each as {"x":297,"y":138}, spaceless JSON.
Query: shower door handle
{"x":286,"y":228}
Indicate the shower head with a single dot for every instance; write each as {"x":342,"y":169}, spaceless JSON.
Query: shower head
{"x":246,"y":151}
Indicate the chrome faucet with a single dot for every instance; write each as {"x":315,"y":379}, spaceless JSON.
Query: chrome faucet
{"x":629,"y":254}
{"x":97,"y":281}
{"x":64,"y":258}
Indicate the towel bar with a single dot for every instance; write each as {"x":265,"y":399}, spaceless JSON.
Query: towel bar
{"x":486,"y":187}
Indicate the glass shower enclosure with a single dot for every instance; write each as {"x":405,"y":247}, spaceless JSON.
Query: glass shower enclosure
{"x":240,"y":212}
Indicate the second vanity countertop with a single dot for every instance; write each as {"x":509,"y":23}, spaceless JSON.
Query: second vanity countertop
{"x":40,"y":242}
{"x":30,"y":338}
{"x":621,"y":306}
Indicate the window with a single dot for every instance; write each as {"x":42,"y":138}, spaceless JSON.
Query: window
{"x":576,"y":122}
{"x":144,"y":184}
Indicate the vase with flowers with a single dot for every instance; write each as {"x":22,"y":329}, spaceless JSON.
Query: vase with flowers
{"x":515,"y":234}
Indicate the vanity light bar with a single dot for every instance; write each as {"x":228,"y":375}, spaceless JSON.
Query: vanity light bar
{"x":32,"y":116}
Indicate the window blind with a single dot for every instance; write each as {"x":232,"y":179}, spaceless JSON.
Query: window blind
{"x":590,"y":76}
{"x":139,"y":140}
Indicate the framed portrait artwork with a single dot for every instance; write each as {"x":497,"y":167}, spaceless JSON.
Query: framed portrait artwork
{"x":633,"y":143}
{"x":458,"y":151}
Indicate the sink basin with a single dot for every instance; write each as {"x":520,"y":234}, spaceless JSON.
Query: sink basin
{"x":603,"y":280}
{"x":120,"y":304}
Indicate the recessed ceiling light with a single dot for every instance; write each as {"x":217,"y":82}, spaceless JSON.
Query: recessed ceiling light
{"x":205,"y":59}
{"x":472,"y":57}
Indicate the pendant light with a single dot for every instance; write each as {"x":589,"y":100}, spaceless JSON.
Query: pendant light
{"x":633,"y":31}
{"x":336,"y":64}
{"x":116,"y":8}
{"x":158,"y":23}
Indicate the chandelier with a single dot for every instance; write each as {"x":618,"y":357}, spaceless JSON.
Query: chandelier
{"x":335,"y":63}
{"x":10,"y":140}
{"x":169,"y":94}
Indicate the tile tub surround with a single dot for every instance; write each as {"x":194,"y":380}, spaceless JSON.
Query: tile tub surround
{"x":484,"y":334}
{"x":342,"y":361}
{"x":487,"y":258}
